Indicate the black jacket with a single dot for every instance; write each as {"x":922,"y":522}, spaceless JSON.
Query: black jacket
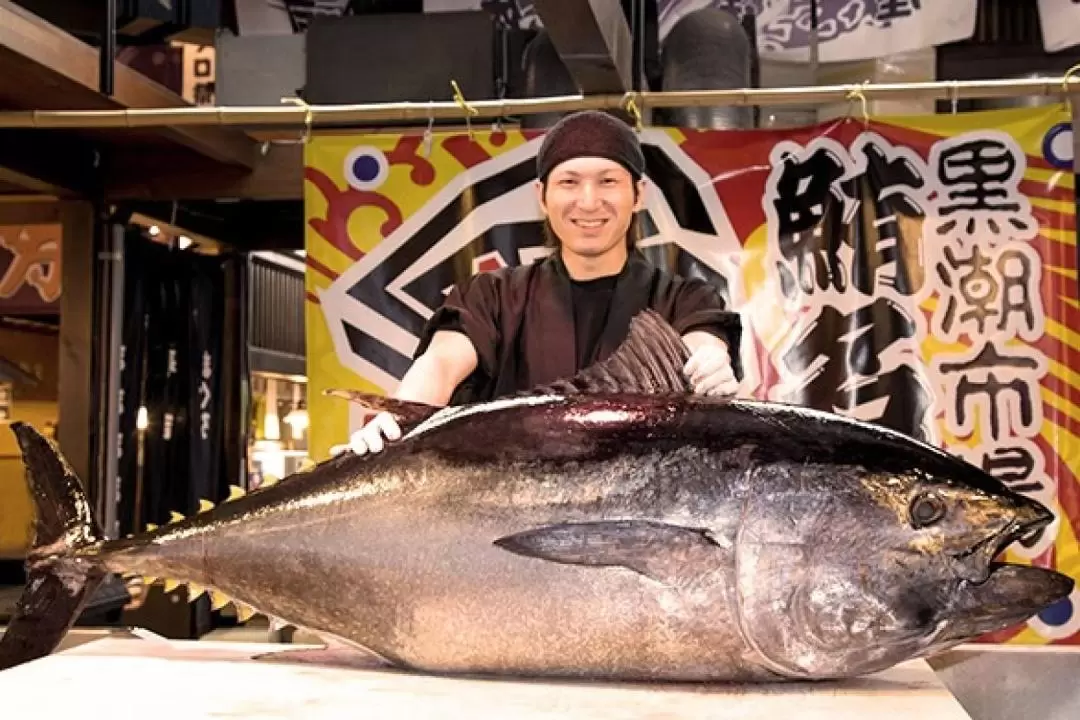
{"x":520,"y":320}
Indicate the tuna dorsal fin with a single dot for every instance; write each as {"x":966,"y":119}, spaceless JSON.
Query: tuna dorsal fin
{"x":407,"y":413}
{"x":649,"y":361}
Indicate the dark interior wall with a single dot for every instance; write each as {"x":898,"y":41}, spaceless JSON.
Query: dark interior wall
{"x":1007,"y":43}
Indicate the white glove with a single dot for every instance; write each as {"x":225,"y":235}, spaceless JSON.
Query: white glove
{"x":370,"y":437}
{"x":710,"y":372}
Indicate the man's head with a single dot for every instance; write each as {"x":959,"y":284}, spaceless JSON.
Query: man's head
{"x":589,"y":181}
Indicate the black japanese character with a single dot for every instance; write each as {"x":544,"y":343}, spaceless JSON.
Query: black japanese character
{"x":985,"y":294}
{"x":977,"y":287}
{"x":203,"y":68}
{"x":889,"y":10}
{"x":808,"y":204}
{"x":850,"y":376}
{"x":1016,"y":288}
{"x":992,"y":388}
{"x":882,"y":255}
{"x":909,"y":400}
{"x":204,"y":93}
{"x":814,"y":204}
{"x":990,"y":358}
{"x":1014,"y":467}
{"x":974,"y":175}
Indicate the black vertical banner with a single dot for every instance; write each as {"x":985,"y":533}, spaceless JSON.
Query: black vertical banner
{"x":206,"y":310}
{"x":132,"y":383}
{"x":174,"y":315}
{"x":155,"y":472}
{"x":174,"y":428}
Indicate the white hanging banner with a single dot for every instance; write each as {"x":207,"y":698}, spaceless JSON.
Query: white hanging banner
{"x":848,"y":30}
{"x":1060,"y":22}
{"x":851,"y":30}
{"x":262,"y":17}
{"x":283,"y":17}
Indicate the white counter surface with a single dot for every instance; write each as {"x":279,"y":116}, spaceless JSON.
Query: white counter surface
{"x":116,"y":678}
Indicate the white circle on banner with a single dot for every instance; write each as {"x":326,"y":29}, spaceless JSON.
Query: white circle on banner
{"x":1062,"y":146}
{"x":366,"y":167}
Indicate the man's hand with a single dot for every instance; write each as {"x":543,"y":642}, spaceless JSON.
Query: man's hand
{"x":709,"y":367}
{"x":431,"y":380}
{"x":370,"y":437}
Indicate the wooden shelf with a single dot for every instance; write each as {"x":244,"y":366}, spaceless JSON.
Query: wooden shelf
{"x":42,"y":67}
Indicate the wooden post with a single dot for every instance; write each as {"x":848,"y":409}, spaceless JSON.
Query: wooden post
{"x":75,"y":411}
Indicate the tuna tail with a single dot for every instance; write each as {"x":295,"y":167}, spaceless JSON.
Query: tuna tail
{"x":59,"y":584}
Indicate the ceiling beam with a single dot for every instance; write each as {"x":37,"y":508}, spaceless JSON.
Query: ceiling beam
{"x":244,"y":225}
{"x":44,"y":68}
{"x":593,"y":39}
{"x":279,"y":175}
{"x":45,"y":162}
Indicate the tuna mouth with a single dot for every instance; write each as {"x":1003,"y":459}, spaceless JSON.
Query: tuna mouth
{"x":1011,"y":594}
{"x":983,"y":560}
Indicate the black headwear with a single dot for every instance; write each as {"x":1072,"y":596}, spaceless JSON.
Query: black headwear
{"x":590,"y":133}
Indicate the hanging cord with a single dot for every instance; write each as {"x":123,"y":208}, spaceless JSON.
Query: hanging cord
{"x":468,"y":109}
{"x":308,"y":116}
{"x":1065,"y":82}
{"x":858,"y":94}
{"x":429,"y":133}
{"x":631,"y":106}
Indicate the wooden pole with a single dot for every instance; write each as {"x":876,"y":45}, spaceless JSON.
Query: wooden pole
{"x":299,"y":115}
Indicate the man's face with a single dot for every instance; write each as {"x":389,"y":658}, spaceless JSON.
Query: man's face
{"x":590,"y":203}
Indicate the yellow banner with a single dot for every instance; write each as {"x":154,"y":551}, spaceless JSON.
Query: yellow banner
{"x":919,"y":272}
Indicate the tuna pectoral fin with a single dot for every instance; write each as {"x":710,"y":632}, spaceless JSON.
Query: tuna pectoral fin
{"x":670,"y":554}
{"x":58,"y":585}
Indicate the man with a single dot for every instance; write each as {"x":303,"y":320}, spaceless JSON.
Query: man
{"x":509,"y":330}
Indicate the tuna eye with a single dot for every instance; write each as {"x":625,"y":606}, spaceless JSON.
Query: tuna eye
{"x":926,"y":510}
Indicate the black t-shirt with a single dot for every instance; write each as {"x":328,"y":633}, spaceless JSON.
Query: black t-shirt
{"x":592,"y":303}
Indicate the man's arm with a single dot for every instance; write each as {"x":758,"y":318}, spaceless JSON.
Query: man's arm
{"x":432,"y":378}
{"x":460,"y":337}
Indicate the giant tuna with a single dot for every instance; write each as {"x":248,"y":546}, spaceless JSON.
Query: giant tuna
{"x":612,"y":526}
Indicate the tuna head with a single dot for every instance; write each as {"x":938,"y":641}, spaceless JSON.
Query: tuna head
{"x":848,"y":571}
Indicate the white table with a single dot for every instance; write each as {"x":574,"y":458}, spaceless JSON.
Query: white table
{"x":119,"y":677}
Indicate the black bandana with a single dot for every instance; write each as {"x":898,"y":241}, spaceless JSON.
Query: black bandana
{"x":590,"y":134}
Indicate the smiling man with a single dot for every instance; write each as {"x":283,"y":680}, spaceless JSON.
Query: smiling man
{"x":512,"y":329}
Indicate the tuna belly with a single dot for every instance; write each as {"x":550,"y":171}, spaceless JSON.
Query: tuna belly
{"x":453,"y":602}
